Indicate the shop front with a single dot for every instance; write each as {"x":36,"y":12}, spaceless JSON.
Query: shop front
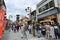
{"x":49,"y":19}
{"x":48,"y":16}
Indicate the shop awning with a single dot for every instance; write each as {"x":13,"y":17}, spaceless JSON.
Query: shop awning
{"x":51,"y":12}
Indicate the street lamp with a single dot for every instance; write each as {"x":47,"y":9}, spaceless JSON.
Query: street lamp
{"x":28,"y":9}
{"x":10,"y":16}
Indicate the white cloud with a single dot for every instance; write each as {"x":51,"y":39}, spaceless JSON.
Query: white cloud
{"x":18,"y":6}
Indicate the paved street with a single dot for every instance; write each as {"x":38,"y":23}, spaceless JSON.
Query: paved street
{"x":17,"y":36}
{"x":40,"y":17}
{"x":6,"y":35}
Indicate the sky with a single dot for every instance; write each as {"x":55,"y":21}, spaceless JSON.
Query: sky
{"x":18,"y":7}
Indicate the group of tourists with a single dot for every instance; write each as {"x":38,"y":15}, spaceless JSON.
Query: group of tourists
{"x":14,"y":27}
{"x":49,"y":30}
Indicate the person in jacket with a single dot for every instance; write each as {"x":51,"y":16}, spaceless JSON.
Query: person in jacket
{"x":30,"y":29}
{"x":43,"y":29}
{"x":56,"y":31}
{"x":38,"y":29}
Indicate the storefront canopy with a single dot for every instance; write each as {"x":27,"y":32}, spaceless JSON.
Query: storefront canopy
{"x":51,"y":12}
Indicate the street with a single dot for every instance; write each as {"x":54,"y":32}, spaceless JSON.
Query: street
{"x":32,"y":19}
{"x":17,"y":36}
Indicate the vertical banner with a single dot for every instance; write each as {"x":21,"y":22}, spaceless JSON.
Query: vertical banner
{"x":2,"y":15}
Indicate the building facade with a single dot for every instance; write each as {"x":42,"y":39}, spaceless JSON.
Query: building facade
{"x":48,"y":10}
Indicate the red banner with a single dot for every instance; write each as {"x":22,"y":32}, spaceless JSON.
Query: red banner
{"x":2,"y":15}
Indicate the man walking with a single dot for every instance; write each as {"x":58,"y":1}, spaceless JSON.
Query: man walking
{"x":25,"y":28}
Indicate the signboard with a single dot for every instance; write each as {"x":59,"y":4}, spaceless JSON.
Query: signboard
{"x":2,"y":15}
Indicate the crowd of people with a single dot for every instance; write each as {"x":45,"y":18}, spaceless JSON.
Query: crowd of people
{"x":48,"y":30}
{"x":14,"y":27}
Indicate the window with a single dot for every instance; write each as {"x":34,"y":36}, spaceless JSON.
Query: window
{"x":44,"y":8}
{"x":40,"y":10}
{"x":51,"y":4}
{"x":47,"y":7}
{"x":41,"y":3}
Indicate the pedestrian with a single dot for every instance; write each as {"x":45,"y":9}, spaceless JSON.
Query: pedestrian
{"x":25,"y":28}
{"x":14,"y":28}
{"x":17,"y":27}
{"x":56,"y":31}
{"x":43,"y":29}
{"x":34,"y":30}
{"x":48,"y":30}
{"x":52,"y":35}
{"x":30,"y":29}
{"x":38,"y":29}
{"x":10,"y":27}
